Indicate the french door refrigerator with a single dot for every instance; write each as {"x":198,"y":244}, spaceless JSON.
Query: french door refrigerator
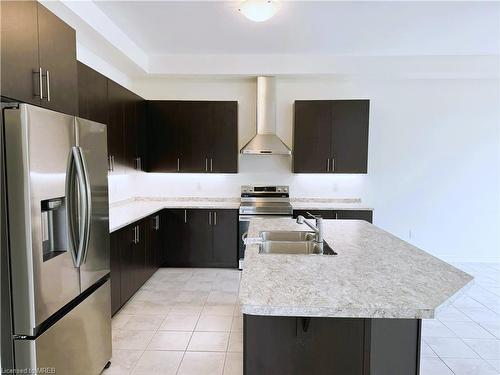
{"x":57,"y":195}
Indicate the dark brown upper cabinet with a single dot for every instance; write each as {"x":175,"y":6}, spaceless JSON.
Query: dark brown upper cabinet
{"x":38,"y":57}
{"x":126,"y":116}
{"x":116,"y":149}
{"x":192,"y":136}
{"x":92,"y":94}
{"x":19,"y":51}
{"x":331,"y":136}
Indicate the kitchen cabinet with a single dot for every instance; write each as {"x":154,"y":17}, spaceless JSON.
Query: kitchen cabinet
{"x":92,"y":94}
{"x":38,"y":57}
{"x":57,"y":54}
{"x":115,"y":271}
{"x":330,"y":136}
{"x":201,"y":238}
{"x":225,"y":238}
{"x":163,"y":136}
{"x":176,"y":233}
{"x":19,"y":51}
{"x":133,"y":258}
{"x":154,"y":243}
{"x":133,"y":129}
{"x":125,"y":125}
{"x":303,"y":345}
{"x":116,"y":149}
{"x":223,"y":149}
{"x":192,"y":136}
{"x":366,"y":215}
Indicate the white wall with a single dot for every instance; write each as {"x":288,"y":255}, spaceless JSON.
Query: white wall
{"x":433,"y":155}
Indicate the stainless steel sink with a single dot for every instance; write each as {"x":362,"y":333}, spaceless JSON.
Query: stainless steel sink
{"x":289,"y":247}
{"x":287,"y":236}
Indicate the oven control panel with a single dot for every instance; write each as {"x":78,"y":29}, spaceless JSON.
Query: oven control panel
{"x":246,"y":189}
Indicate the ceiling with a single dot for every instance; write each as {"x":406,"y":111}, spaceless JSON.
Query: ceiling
{"x":339,"y":28}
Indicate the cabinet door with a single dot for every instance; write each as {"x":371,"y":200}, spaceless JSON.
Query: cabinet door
{"x":195,"y":124}
{"x":312,"y":136}
{"x":153,"y":242}
{"x":128,"y":268}
{"x":141,"y":113}
{"x":92,"y":94}
{"x":115,"y":268}
{"x":116,"y":126}
{"x":199,"y":237}
{"x":163,"y":137}
{"x":350,"y":136}
{"x":225,"y":238}
{"x":223,"y":138}
{"x":176,"y":232}
{"x":355,"y":215}
{"x":57,"y":57}
{"x":330,"y":346}
{"x":141,"y":273}
{"x":19,"y":51}
{"x":131,"y":129}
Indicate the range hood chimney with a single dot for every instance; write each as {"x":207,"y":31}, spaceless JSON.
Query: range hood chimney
{"x":266,"y":142}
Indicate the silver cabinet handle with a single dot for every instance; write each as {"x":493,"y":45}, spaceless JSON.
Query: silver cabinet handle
{"x":211,"y":165}
{"x":209,"y":218}
{"x":138,"y":164}
{"x":206,"y":164}
{"x":48,"y":86}
{"x":336,"y":215}
{"x":333,"y":165}
{"x":215,"y":217}
{"x":138,"y":235}
{"x":157,"y":222}
{"x":328,"y":165}
{"x":185,"y":216}
{"x":178,"y":165}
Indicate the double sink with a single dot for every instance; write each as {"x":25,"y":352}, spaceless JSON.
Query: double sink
{"x":292,"y":242}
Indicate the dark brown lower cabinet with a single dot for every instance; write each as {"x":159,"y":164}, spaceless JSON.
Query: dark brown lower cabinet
{"x":201,"y":238}
{"x":115,"y":269}
{"x":225,"y":239}
{"x":154,"y":243}
{"x":278,"y":345}
{"x":366,"y":215}
{"x":133,"y":257}
{"x":176,"y":237}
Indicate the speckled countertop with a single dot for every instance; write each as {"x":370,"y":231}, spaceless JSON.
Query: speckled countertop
{"x":126,"y":212}
{"x":374,"y":275}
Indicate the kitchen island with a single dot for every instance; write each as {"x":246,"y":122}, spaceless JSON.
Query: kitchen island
{"x":358,"y":312}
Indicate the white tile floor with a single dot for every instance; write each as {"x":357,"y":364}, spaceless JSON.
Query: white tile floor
{"x":187,"y":321}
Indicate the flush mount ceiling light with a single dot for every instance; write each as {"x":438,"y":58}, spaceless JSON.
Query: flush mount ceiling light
{"x":258,"y":10}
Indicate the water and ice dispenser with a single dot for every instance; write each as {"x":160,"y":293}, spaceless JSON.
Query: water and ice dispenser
{"x":54,"y":227}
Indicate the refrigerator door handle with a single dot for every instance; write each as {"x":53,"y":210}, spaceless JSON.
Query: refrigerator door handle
{"x":87,"y":213}
{"x":70,"y":205}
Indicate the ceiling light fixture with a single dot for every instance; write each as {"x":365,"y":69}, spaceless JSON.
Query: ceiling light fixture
{"x":258,"y":10}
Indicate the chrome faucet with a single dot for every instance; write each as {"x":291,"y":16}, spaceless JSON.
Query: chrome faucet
{"x":318,"y":228}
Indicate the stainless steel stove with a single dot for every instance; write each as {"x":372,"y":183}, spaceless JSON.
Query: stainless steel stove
{"x":261,"y":201}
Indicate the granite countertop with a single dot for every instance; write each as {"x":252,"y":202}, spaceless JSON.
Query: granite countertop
{"x":374,"y":275}
{"x":128,"y":211}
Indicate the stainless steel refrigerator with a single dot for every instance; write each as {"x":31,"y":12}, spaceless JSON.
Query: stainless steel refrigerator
{"x":57,"y":194}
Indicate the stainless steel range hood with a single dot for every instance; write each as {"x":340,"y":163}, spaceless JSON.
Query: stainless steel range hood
{"x":266,"y":142}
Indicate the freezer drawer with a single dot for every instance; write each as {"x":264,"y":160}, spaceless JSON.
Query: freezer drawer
{"x":79,"y":343}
